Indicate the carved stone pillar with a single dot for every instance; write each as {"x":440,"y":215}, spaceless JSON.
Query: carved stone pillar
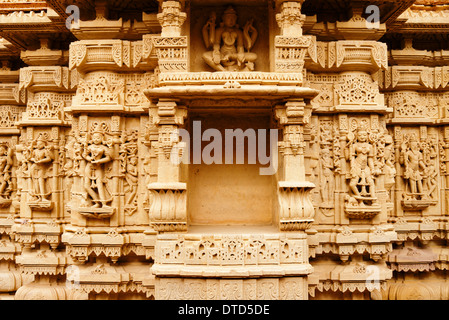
{"x":418,"y":95}
{"x":171,"y":18}
{"x":291,"y":46}
{"x":356,"y":166}
{"x":295,"y":206}
{"x":109,"y":155}
{"x":11,"y":109}
{"x":354,"y":90}
{"x":168,"y":205}
{"x":290,"y":19}
{"x":444,"y":166}
{"x":171,"y":46}
{"x":41,"y":155}
{"x":168,"y":209}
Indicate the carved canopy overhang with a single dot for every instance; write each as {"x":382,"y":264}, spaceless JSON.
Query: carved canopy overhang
{"x":230,"y":2}
{"x":247,"y":93}
{"x":60,"y":6}
{"x":426,"y":22}
{"x":24,"y":23}
{"x":7,"y":49}
{"x":341,"y":10}
{"x":7,"y":6}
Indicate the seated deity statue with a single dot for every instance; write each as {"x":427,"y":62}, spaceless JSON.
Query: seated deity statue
{"x":228,"y":43}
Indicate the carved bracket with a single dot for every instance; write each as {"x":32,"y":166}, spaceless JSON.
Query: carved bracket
{"x":168,"y":209}
{"x":296,"y":210}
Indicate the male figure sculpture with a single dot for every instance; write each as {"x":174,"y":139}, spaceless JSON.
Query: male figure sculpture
{"x":97,"y":155}
{"x":228,"y":43}
{"x":362,"y":167}
{"x":414,"y":165}
{"x":40,"y":157}
{"x":5,"y":171}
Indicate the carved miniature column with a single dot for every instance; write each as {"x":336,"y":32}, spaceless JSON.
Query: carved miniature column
{"x":253,"y":263}
{"x":291,"y":46}
{"x":171,"y":46}
{"x":295,"y":206}
{"x":168,"y":209}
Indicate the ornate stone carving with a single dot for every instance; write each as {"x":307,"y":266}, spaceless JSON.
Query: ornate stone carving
{"x":291,"y":46}
{"x":40,"y":158}
{"x":296,"y":210}
{"x":410,"y":105}
{"x":170,"y":47}
{"x":6,"y":186}
{"x":50,"y":77}
{"x":96,"y":151}
{"x":362,"y":201}
{"x":93,"y":206}
{"x":105,"y":88}
{"x":45,"y":109}
{"x":9,"y":115}
{"x":357,"y":89}
{"x":168,"y":206}
{"x":230,"y":250}
{"x":327,"y":179}
{"x":171,"y":18}
{"x":291,"y":288}
{"x":253,"y":77}
{"x":420,"y":172}
{"x":129,"y":167}
{"x":228,"y":43}
{"x":290,"y":19}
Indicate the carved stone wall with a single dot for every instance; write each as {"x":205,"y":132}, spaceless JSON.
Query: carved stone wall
{"x":97,"y":200}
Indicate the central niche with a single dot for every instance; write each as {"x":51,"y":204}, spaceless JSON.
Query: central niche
{"x":231,"y":194}
{"x":246,"y":22}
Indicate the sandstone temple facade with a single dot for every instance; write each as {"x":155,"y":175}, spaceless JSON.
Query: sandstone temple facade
{"x":96,"y":98}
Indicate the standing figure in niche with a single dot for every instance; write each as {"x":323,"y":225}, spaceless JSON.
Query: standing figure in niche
{"x":5,"y":171}
{"x":40,"y":158}
{"x":327,"y":175}
{"x":414,"y":165}
{"x":228,"y":43}
{"x":362,"y":168}
{"x":430,"y":178}
{"x":97,"y":154}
